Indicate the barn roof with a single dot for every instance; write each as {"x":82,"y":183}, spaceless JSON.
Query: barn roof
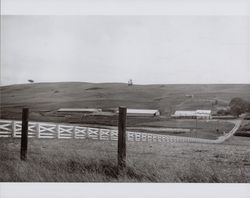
{"x":186,"y":113}
{"x":203,"y":111}
{"x":79,"y":110}
{"x":192,"y":113}
{"x":142,"y":111}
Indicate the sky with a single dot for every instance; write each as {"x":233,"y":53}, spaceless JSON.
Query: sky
{"x":149,"y":49}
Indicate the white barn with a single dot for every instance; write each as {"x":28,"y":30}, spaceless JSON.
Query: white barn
{"x":198,"y":114}
{"x":80,"y":110}
{"x":203,"y":114}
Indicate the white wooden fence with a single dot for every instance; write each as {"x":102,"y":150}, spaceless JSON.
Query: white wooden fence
{"x":11,"y":128}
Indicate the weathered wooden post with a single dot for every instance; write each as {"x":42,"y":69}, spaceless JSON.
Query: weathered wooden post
{"x":196,"y":124}
{"x":122,"y":140}
{"x":24,"y":135}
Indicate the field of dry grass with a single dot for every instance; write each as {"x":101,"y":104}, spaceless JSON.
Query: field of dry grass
{"x":95,"y":161}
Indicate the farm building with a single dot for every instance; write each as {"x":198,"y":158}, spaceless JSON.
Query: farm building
{"x":198,"y":114}
{"x":142,"y":112}
{"x":185,"y":114}
{"x":80,"y":110}
{"x":203,"y":114}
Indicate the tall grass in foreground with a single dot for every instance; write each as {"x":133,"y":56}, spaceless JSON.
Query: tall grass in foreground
{"x":92,"y":161}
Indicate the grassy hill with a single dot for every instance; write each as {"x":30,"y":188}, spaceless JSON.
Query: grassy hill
{"x":44,"y":99}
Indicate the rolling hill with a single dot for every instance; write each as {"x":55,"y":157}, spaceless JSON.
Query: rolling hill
{"x":44,"y":99}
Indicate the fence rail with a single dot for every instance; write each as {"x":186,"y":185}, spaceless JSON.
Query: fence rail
{"x":11,"y":128}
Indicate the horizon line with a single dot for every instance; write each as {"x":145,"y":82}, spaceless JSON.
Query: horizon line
{"x":54,"y":82}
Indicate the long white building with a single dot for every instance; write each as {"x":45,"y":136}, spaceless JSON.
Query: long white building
{"x":81,"y":110}
{"x":142,"y":112}
{"x":198,"y":114}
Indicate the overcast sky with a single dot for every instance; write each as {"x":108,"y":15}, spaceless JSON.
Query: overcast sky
{"x":147,"y":49}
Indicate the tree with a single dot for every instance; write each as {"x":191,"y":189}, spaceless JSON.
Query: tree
{"x":236,"y":110}
{"x":237,"y":101}
{"x":239,"y":106}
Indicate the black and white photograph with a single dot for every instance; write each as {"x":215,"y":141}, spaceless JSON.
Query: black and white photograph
{"x":125,"y":98}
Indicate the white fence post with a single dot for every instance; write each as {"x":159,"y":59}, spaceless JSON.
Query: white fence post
{"x":99,"y":134}
{"x":74,"y":132}
{"x":110,"y":134}
{"x":58,"y":131}
{"x":14,"y":129}
{"x":38,"y":130}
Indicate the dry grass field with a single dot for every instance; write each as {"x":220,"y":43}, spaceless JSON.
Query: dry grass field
{"x":95,"y":161}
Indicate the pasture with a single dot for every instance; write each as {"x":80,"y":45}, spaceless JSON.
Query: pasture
{"x":95,"y":161}
{"x":211,"y":129}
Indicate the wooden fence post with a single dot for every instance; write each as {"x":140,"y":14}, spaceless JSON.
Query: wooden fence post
{"x":24,"y":135}
{"x":122,"y":139}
